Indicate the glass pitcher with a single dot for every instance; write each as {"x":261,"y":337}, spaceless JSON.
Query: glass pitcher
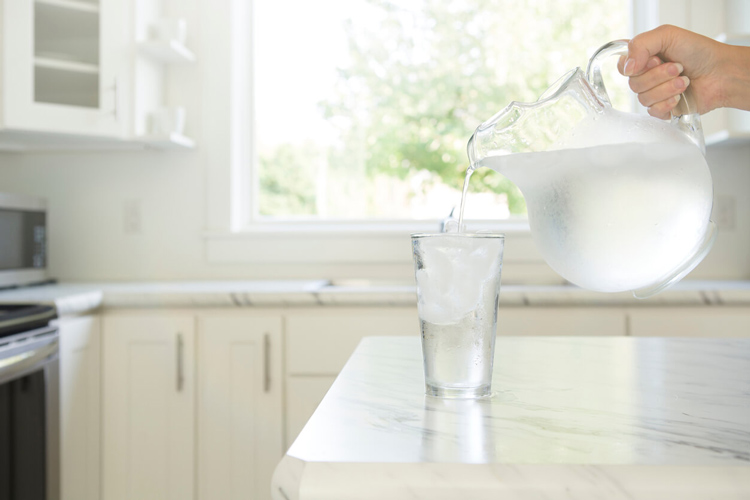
{"x":616,"y":201}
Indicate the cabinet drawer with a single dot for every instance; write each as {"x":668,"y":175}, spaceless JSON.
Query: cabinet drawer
{"x":320,"y":342}
{"x":560,"y":321}
{"x":683,"y":322}
{"x":149,"y":406}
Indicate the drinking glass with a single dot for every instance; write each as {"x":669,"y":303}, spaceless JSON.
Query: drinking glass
{"x":458,"y":284}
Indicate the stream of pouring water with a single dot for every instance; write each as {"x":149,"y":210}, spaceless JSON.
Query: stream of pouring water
{"x":469,"y":171}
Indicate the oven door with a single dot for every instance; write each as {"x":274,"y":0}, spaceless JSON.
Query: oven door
{"x":29,"y":416}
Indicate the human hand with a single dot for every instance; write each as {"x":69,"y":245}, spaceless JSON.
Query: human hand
{"x":661,"y":63}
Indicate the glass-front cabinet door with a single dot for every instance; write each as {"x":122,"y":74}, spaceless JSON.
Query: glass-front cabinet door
{"x":64,"y":66}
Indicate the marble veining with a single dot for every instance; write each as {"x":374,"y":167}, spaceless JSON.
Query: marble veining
{"x":82,"y":298}
{"x":634,"y":415}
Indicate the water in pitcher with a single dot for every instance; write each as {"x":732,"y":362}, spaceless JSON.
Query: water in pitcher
{"x":601,"y":209}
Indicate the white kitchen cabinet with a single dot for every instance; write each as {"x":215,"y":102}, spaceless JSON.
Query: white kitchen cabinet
{"x":320,"y":341}
{"x":303,"y":395}
{"x":63,"y":70}
{"x":318,"y":344}
{"x":80,"y":407}
{"x":239,"y":405}
{"x":153,"y":60}
{"x":149,"y":406}
{"x":573,"y":321}
{"x":710,"y":322}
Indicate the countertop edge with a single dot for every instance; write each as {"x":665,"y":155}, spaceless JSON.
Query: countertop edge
{"x":297,"y":479}
{"x":81,"y":298}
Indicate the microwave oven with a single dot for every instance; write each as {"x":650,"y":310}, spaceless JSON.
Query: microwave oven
{"x":23,"y":240}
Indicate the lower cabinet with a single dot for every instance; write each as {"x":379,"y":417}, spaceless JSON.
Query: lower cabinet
{"x":200,"y":404}
{"x":557,"y":321}
{"x":149,"y":407}
{"x":716,"y":322}
{"x":318,"y":344}
{"x":192,"y":405}
{"x":80,"y":407}
{"x":239,"y":406}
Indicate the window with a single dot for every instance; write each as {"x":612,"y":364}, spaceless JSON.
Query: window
{"x":363,"y":108}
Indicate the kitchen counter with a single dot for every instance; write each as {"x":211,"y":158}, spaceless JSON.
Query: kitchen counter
{"x":81,"y":298}
{"x":571,"y":417}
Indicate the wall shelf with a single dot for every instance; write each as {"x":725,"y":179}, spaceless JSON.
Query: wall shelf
{"x":727,"y":136}
{"x":71,"y":5}
{"x":729,"y":125}
{"x":734,"y":39}
{"x":167,"y":51}
{"x":72,"y":66}
{"x":21,"y":141}
{"x":172,"y":141}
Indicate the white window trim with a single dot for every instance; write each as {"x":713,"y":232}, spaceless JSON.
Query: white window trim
{"x":244,"y":199}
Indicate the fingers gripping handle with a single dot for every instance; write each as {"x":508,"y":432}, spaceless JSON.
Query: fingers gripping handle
{"x":684,"y":115}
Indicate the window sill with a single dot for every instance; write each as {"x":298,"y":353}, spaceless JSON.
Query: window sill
{"x":383,"y":242}
{"x":294,"y":228}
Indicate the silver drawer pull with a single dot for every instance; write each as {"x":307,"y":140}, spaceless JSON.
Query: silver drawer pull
{"x":266,"y":363}
{"x":180,"y":368}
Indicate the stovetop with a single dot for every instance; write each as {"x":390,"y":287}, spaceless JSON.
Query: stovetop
{"x":16,"y":318}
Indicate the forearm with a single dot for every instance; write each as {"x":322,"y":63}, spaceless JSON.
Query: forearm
{"x":737,"y":78}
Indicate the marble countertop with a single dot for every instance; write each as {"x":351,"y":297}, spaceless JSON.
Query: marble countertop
{"x":570,"y":417}
{"x":80,"y":298}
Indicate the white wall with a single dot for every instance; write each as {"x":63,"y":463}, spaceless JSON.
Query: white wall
{"x":86,"y":194}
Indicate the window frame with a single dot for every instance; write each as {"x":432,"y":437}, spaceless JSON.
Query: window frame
{"x":232,"y":226}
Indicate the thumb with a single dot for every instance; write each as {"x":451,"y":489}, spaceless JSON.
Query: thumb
{"x":643,"y":46}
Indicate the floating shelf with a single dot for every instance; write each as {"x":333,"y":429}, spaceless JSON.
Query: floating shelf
{"x":19,"y":141}
{"x":71,"y":66}
{"x":727,"y":136}
{"x":167,"y":51}
{"x":172,"y":141}
{"x":71,"y":5}
{"x":735,"y":38}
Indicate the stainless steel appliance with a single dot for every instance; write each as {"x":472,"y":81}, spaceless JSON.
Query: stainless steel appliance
{"x":29,"y":403}
{"x":23,"y":240}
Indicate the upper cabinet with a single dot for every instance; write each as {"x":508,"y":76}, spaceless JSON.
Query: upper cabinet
{"x":62,"y":69}
{"x":89,"y":74}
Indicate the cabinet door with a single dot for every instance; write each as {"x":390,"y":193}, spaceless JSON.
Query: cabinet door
{"x":303,"y":395}
{"x":690,"y":322}
{"x":320,"y":342}
{"x":80,"y":407}
{"x":149,"y":403}
{"x":239,"y":406}
{"x":62,"y":65}
{"x":595,"y":321}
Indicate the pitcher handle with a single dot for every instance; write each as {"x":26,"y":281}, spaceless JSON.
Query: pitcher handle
{"x":684,"y":115}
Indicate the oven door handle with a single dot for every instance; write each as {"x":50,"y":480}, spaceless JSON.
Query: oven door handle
{"x":21,"y":364}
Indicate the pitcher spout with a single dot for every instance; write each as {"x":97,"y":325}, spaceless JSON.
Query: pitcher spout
{"x":544,"y":125}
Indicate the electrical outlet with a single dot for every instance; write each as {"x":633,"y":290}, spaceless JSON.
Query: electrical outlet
{"x":131,"y":216}
{"x":725,"y":212}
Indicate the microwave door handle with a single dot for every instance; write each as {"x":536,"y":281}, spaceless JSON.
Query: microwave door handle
{"x":27,"y":362}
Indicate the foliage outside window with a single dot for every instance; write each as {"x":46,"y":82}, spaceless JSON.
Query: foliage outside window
{"x":363,"y":107}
